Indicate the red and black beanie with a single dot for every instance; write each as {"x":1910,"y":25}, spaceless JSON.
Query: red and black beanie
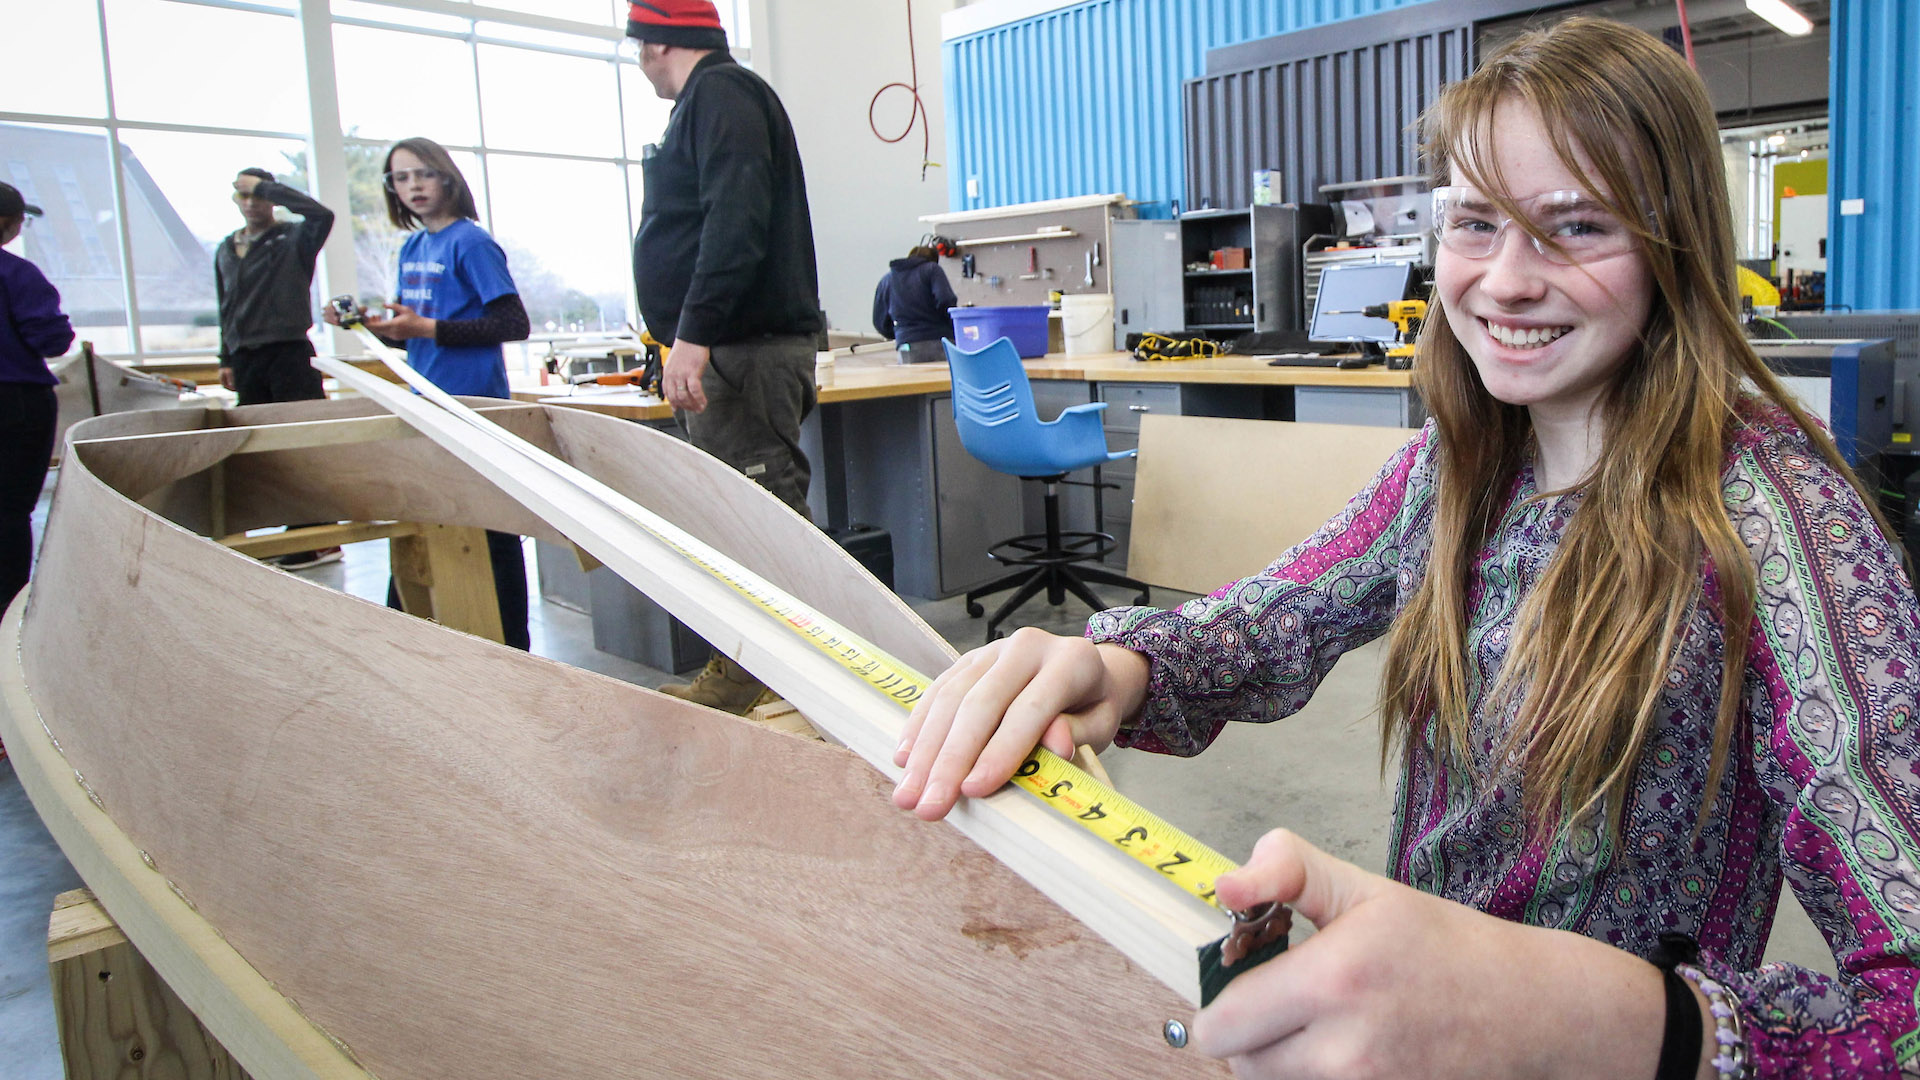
{"x":690,"y":24}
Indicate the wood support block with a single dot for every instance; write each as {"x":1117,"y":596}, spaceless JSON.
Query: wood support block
{"x":782,"y":715}
{"x":588,"y":564}
{"x":443,"y":573}
{"x":117,"y":1018}
{"x":318,"y":536}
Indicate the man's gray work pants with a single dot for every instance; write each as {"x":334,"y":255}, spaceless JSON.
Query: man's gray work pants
{"x":758,"y":392}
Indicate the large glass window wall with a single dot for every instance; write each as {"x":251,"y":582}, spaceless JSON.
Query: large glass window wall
{"x":127,"y":120}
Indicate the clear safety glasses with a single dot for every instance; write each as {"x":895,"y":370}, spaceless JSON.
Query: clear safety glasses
{"x":398,"y":177}
{"x":1467,"y":223}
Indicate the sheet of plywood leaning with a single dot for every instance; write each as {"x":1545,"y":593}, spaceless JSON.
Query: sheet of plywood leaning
{"x":1218,"y":500}
{"x":461,"y":861}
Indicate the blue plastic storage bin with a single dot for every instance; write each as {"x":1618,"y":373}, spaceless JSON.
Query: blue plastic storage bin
{"x":974,"y":328}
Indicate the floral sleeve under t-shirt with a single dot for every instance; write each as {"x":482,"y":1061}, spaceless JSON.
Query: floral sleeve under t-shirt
{"x":1823,"y":787}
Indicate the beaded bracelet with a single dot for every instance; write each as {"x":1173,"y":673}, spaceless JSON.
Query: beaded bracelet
{"x":1730,"y":1044}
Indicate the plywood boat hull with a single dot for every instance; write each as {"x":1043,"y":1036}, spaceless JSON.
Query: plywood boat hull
{"x":458,"y":860}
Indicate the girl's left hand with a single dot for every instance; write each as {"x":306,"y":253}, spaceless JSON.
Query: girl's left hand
{"x":1400,"y":983}
{"x":401,"y":323}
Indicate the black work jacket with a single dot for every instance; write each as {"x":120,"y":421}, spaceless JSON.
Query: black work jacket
{"x":725,"y":249}
{"x":267,"y":297}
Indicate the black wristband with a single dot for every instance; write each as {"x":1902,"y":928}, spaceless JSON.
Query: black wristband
{"x":1680,"y":1045}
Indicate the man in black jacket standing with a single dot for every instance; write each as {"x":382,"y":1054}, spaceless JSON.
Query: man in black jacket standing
{"x":263,"y":280}
{"x":724,"y":270}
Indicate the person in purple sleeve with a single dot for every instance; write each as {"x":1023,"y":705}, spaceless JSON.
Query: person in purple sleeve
{"x":32,"y":329}
{"x":1651,"y":651}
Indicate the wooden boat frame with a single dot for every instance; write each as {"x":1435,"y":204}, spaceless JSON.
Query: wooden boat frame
{"x":968,"y":970}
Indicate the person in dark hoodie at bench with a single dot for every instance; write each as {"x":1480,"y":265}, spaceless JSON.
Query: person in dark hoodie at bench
{"x":910,"y":306}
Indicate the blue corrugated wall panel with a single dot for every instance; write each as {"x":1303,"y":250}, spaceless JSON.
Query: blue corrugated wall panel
{"x":1873,"y":259}
{"x":1086,"y":100}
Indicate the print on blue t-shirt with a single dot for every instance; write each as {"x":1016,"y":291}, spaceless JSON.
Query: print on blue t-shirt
{"x":454,"y":274}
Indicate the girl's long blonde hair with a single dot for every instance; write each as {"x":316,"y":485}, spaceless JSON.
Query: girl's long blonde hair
{"x":1592,"y":643}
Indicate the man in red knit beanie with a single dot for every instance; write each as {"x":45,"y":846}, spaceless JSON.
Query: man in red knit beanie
{"x":724,"y":270}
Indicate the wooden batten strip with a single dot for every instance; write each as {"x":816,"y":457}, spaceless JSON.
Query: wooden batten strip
{"x":310,"y":537}
{"x":301,"y":435}
{"x":1150,"y":921}
{"x":269,"y":437}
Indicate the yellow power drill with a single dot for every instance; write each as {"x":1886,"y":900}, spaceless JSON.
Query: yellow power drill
{"x":1406,"y":316}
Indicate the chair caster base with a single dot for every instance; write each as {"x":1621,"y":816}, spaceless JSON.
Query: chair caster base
{"x":974,"y":610}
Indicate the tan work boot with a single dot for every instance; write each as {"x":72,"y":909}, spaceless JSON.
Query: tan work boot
{"x":722,"y":685}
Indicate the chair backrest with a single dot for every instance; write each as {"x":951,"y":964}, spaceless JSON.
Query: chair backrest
{"x":993,"y":407}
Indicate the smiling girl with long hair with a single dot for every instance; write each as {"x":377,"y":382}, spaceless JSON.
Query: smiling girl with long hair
{"x":1650,"y":649}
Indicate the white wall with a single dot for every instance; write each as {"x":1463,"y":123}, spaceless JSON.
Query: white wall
{"x":826,"y":60}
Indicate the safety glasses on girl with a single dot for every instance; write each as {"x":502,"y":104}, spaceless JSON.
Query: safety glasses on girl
{"x":1579,"y":230}
{"x":400,"y":176}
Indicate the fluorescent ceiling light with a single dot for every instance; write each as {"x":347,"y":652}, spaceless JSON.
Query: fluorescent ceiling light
{"x":1783,"y":15}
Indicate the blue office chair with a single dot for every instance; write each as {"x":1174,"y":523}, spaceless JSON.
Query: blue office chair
{"x":993,"y":407}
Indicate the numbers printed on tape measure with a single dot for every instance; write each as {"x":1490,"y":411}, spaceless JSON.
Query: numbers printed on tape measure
{"x":1180,"y":858}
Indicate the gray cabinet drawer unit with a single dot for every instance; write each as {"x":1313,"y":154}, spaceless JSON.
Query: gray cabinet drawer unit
{"x":1366,"y":406}
{"x":1128,"y":402}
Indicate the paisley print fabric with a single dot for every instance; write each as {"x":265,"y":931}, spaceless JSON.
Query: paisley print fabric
{"x":1822,"y":788}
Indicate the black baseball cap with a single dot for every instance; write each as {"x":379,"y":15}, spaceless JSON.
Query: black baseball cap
{"x":13,"y":205}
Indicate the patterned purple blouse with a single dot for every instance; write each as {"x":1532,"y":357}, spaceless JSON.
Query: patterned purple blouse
{"x":1823,"y":784}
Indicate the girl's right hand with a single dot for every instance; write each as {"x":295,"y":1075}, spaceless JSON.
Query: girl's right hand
{"x":984,"y":715}
{"x":328,"y":315}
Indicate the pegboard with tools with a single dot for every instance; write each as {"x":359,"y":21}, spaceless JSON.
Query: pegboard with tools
{"x":1021,"y":254}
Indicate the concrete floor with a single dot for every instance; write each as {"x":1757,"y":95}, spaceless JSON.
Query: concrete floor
{"x":1316,"y":772}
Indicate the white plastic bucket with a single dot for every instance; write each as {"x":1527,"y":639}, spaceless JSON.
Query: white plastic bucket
{"x":1086,"y":322}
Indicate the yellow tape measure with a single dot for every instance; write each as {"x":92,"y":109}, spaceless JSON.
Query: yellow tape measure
{"x":1059,"y":783}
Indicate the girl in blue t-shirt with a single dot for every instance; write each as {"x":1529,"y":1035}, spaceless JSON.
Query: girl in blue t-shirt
{"x":455,"y":304}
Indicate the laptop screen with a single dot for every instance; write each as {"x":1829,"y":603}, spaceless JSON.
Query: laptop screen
{"x":1345,"y":290}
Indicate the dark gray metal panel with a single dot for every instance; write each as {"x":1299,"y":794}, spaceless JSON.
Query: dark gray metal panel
{"x":890,"y":484}
{"x":1342,"y":115}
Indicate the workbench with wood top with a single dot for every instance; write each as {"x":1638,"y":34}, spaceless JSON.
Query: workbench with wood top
{"x":886,"y":453}
{"x":876,"y":374}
